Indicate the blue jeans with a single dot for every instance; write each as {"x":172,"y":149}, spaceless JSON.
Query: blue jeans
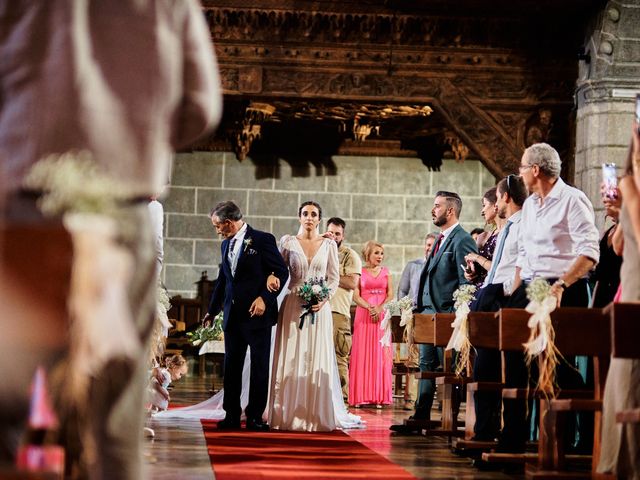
{"x":429,"y":360}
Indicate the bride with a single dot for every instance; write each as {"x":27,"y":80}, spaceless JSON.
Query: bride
{"x":305,"y":392}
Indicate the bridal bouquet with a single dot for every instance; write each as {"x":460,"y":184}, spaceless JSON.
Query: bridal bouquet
{"x":209,"y":332}
{"x":313,"y":291}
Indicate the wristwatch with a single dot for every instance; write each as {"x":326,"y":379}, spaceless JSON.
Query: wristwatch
{"x":561,"y":283}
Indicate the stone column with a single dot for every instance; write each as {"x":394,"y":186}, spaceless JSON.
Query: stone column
{"x":609,"y":79}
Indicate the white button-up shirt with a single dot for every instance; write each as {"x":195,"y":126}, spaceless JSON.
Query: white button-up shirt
{"x":233,"y":255}
{"x":554,"y":232}
{"x":506,"y":269}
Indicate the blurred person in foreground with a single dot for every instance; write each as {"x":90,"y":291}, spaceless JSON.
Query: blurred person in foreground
{"x":129,"y":83}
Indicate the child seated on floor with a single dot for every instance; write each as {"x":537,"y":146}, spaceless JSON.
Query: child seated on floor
{"x":175,"y":368}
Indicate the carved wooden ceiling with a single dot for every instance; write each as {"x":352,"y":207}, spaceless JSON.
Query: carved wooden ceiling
{"x":398,"y":77}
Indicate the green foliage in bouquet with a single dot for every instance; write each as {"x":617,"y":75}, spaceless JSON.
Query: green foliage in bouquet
{"x":204,"y":334}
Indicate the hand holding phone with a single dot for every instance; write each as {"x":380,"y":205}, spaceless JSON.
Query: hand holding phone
{"x":610,"y":180}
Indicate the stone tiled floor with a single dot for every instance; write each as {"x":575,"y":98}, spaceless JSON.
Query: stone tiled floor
{"x":178,"y":450}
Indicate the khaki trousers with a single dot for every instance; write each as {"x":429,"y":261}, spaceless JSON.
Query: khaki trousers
{"x":342,"y":342}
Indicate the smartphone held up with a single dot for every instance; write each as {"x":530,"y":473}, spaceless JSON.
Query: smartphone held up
{"x":610,"y":180}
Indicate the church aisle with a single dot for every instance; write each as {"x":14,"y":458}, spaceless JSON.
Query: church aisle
{"x":179,"y":449}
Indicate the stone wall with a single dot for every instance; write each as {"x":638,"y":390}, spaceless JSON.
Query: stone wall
{"x":609,"y":81}
{"x":388,"y":199}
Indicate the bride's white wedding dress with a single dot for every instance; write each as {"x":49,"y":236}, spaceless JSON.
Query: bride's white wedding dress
{"x":305,"y":391}
{"x":313,"y":403}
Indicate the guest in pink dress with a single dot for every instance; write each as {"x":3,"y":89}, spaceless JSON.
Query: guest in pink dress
{"x":370,"y":377}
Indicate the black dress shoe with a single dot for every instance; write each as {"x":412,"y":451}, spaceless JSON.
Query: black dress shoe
{"x":229,"y":424}
{"x":257,"y":425}
{"x":405,"y":429}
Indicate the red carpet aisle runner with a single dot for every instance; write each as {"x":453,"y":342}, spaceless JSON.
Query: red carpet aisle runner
{"x":251,"y":455}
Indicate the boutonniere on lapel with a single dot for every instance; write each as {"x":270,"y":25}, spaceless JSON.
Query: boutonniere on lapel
{"x":247,"y":243}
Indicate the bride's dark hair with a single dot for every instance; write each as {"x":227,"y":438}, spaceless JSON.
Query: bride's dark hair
{"x":311,"y":202}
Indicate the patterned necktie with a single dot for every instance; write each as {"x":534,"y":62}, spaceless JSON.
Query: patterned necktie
{"x":436,"y":247}
{"x":498,"y":255}
{"x":231,"y":245}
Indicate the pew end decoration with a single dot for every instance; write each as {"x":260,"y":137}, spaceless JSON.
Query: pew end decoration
{"x":404,"y":308}
{"x":459,"y":340}
{"x":541,"y":342}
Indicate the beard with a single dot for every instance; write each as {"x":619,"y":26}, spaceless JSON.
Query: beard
{"x":338,"y":243}
{"x":502,"y":213}
{"x":439,"y":221}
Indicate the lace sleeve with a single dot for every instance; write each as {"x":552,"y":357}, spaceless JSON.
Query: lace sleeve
{"x":333,"y":264}
{"x":283,"y":247}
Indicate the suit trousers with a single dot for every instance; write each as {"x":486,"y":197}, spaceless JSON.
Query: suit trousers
{"x":237,"y":337}
{"x":487,"y":367}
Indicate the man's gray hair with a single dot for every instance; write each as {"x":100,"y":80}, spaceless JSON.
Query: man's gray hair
{"x":430,"y":235}
{"x":546,"y":157}
{"x":226,"y":211}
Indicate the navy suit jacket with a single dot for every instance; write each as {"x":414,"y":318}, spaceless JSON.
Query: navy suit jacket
{"x":258,"y":257}
{"x":442,"y":274}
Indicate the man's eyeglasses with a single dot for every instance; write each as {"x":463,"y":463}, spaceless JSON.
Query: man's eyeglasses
{"x":524,"y":167}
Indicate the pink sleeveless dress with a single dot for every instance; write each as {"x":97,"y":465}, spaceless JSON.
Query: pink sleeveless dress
{"x":370,"y":376}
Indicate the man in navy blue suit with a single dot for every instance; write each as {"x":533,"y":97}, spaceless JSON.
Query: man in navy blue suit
{"x":250,"y":310}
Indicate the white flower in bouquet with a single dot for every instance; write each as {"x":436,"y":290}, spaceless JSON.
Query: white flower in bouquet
{"x":316,"y":289}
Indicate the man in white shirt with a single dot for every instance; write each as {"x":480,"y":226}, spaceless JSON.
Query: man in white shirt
{"x":511,"y":194}
{"x":558,"y":241}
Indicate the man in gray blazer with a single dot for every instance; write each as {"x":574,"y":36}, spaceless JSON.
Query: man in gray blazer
{"x":441,"y":276}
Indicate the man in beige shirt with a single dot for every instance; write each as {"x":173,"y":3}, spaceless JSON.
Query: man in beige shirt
{"x":350,"y":270}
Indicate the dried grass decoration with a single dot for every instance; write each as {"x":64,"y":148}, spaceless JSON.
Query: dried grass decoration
{"x":459,"y":340}
{"x":404,"y":308}
{"x":541,"y":343}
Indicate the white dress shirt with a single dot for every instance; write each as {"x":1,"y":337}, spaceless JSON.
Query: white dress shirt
{"x":447,"y":232}
{"x":233,"y":254}
{"x":506,"y":269}
{"x":554,"y":232}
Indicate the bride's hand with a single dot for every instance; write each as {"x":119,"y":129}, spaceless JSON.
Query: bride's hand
{"x":318,"y":306}
{"x":273,"y":283}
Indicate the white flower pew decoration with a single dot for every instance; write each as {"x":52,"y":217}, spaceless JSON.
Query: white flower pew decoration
{"x":459,"y":340}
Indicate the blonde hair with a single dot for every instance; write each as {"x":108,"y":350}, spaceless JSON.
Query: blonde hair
{"x":368,"y":247}
{"x":175,"y":361}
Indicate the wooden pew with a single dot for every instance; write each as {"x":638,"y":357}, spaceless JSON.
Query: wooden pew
{"x":579,"y":331}
{"x":484,"y":332}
